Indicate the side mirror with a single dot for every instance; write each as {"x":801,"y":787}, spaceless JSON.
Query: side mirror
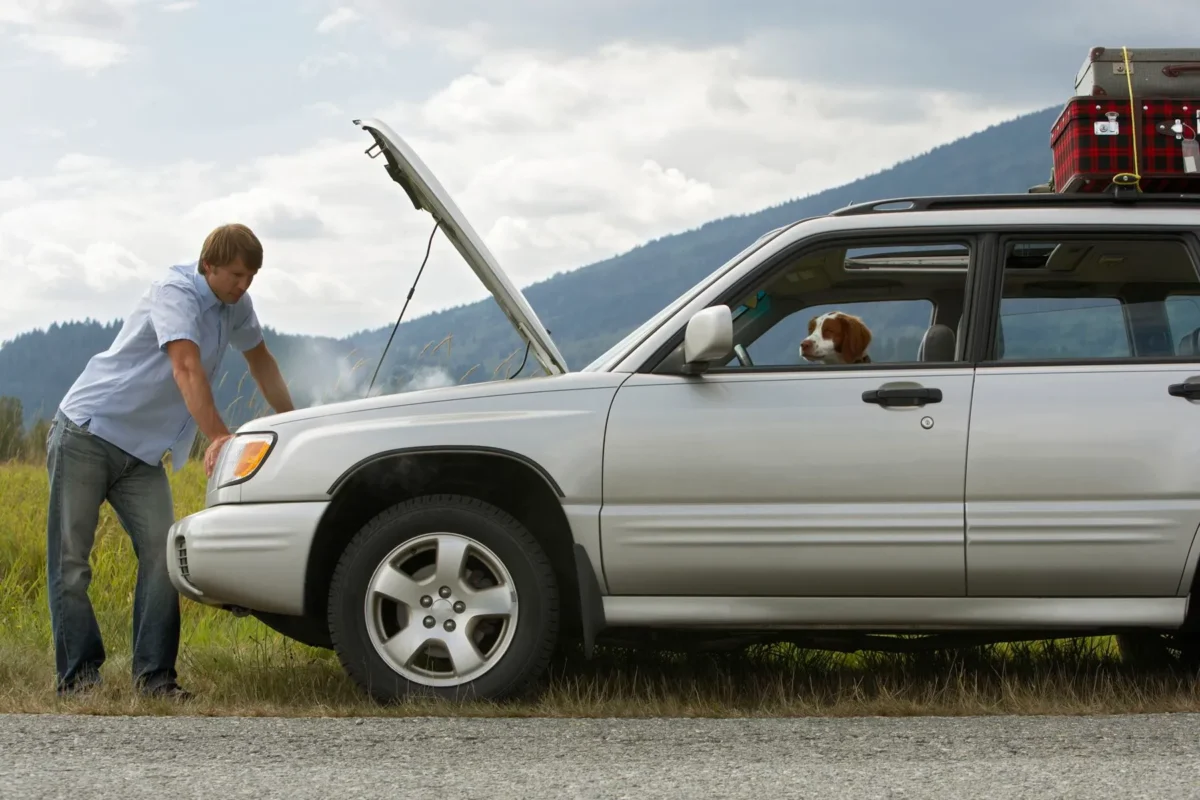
{"x":708,"y":338}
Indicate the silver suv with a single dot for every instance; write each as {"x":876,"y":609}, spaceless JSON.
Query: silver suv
{"x":1017,"y":456}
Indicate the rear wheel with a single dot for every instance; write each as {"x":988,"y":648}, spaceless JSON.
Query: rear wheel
{"x":444,"y":595}
{"x":1155,"y":651}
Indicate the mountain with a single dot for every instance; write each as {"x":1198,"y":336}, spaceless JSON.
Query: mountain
{"x":587,"y":310}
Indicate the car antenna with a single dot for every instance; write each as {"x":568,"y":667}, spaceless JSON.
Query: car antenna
{"x":413,"y":288}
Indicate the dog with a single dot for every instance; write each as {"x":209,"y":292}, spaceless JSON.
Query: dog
{"x":836,"y":338}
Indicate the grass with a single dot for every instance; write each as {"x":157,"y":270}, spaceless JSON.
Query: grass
{"x":237,"y":666}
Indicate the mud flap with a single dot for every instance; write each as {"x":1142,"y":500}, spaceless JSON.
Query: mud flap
{"x":591,"y":601}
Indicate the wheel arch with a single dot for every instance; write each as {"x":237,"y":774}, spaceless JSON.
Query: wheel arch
{"x":511,"y":481}
{"x":375,"y":460}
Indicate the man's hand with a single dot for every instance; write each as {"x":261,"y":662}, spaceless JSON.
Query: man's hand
{"x":213,"y":453}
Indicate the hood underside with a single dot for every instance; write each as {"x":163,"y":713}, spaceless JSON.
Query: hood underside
{"x":427,"y":194}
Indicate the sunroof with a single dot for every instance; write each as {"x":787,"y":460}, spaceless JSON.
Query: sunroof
{"x":1030,"y":255}
{"x":907,"y":257}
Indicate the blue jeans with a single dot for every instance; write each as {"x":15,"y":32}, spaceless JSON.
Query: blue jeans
{"x":85,"y":470}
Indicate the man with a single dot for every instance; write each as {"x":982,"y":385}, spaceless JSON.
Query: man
{"x":144,"y":397}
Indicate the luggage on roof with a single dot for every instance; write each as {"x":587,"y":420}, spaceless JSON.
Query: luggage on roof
{"x":1147,"y":141}
{"x":1155,"y":72}
{"x":1092,"y":141}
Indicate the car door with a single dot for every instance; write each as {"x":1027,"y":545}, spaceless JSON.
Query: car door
{"x":1085,"y":425}
{"x":794,"y":480}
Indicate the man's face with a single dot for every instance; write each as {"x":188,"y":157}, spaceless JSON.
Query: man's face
{"x":229,"y":282}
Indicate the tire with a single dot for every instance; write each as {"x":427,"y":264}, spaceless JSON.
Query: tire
{"x":374,"y":634}
{"x":1150,"y":650}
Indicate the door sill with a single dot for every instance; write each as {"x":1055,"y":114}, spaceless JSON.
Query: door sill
{"x":906,"y":613}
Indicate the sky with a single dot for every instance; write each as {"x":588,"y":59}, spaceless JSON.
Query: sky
{"x":567,"y":131}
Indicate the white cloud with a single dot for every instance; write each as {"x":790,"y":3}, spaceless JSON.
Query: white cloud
{"x":81,"y":52}
{"x":571,"y":160}
{"x":313,"y":65}
{"x":271,"y":212}
{"x":93,"y":14}
{"x":326,"y":109}
{"x":557,"y":163}
{"x":938,"y":44}
{"x":339,"y":18}
{"x":182,"y":5}
{"x":80,"y":163}
{"x":85,"y":35}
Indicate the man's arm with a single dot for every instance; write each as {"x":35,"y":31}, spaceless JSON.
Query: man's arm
{"x":174,"y":313}
{"x":265,"y":371}
{"x":247,"y":337}
{"x":193,"y":384}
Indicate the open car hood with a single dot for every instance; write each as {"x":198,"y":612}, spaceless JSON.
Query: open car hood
{"x":427,"y":194}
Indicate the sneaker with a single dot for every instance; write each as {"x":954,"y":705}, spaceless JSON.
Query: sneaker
{"x":79,"y":687}
{"x":169,"y":691}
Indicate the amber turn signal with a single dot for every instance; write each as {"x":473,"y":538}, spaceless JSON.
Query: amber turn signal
{"x":251,"y":456}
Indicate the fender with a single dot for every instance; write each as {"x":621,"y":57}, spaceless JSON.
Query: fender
{"x":590,"y":595}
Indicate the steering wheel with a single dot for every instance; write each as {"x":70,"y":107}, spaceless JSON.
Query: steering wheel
{"x":742,"y":356}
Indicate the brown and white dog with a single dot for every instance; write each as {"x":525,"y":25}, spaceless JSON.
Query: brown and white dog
{"x":836,"y":338}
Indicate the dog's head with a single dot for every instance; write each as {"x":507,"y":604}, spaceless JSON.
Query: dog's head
{"x":835,"y":338}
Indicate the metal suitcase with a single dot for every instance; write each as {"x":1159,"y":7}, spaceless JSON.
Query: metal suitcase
{"x":1156,"y":72}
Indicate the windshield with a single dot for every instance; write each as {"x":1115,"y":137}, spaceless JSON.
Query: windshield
{"x":630,"y":340}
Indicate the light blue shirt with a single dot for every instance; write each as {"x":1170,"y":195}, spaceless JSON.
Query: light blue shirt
{"x":128,"y":393}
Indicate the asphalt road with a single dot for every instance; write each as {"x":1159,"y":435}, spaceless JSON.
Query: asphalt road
{"x":447,"y":759}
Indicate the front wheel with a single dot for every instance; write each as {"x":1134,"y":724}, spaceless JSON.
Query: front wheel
{"x":444,"y":595}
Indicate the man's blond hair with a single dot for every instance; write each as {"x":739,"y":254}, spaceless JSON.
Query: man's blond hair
{"x":229,"y":243}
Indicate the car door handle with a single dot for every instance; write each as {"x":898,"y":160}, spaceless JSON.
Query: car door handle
{"x":906,"y":396}
{"x":1189,"y":390}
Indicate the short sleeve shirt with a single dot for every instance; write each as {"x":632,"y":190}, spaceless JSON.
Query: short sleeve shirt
{"x":127,"y":394}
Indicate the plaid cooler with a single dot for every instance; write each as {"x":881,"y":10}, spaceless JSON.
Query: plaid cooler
{"x":1088,"y":153}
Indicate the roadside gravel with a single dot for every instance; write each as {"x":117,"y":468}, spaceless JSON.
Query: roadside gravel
{"x":1129,"y":757}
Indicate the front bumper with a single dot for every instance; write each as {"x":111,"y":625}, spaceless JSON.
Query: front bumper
{"x":252,"y":555}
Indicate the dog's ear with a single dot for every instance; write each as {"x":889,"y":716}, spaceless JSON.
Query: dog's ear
{"x":856,"y":337}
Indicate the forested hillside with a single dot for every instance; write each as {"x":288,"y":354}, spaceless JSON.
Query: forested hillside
{"x":586,"y":310}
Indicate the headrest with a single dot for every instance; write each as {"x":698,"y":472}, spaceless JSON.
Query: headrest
{"x":1189,"y":344}
{"x":937,"y":344}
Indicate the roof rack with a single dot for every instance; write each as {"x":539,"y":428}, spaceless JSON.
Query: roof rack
{"x":1022,"y":200}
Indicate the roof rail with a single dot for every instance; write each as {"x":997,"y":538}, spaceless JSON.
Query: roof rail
{"x":1022,"y":200}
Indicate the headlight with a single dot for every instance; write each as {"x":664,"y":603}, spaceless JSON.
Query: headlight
{"x":242,"y":456}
